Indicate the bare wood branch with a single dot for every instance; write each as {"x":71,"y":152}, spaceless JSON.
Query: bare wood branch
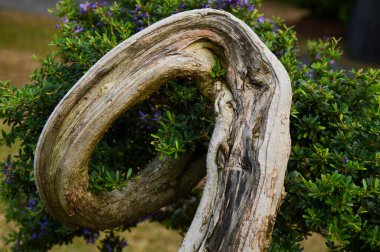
{"x":247,"y":155}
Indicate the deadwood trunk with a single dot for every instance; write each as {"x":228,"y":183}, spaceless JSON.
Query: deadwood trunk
{"x":247,"y":154}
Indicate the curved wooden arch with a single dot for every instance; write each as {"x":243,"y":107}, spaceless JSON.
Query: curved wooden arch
{"x":247,"y":155}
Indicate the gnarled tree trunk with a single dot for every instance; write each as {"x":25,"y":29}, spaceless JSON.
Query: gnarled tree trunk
{"x":247,"y":154}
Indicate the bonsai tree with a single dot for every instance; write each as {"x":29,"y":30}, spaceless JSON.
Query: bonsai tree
{"x":332,"y":179}
{"x":247,"y":153}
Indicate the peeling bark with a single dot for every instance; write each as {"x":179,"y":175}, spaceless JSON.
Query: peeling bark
{"x":247,"y":154}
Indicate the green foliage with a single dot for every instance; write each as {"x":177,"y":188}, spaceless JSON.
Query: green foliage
{"x":169,"y":136}
{"x":335,"y":134}
{"x":185,"y":122}
{"x":217,"y":70}
{"x":332,"y":181}
{"x":103,"y":179}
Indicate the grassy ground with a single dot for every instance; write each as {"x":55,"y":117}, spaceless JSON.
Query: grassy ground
{"x":147,"y":237}
{"x":21,"y":37}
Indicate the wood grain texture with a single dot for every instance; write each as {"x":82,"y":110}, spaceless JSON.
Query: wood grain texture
{"x":247,"y":154}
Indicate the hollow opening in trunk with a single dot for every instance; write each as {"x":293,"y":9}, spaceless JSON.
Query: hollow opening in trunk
{"x":172,"y":121}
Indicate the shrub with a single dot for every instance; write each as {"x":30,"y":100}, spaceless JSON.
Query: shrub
{"x":332,"y":181}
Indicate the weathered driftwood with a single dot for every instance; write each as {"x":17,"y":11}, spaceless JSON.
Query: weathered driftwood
{"x":247,"y":155}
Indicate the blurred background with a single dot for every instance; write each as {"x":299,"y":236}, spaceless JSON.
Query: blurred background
{"x":26,"y":29}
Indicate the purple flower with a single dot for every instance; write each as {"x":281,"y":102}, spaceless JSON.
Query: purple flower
{"x":31,"y":204}
{"x":57,"y":26}
{"x":146,"y":217}
{"x":78,"y":29}
{"x":108,"y":247}
{"x":309,"y":74}
{"x":91,"y":239}
{"x":157,"y":115}
{"x":275,"y":28}
{"x":261,"y":19}
{"x":332,"y":62}
{"x":33,"y":236}
{"x":43,"y":223}
{"x":345,"y":160}
{"x":7,"y":173}
{"x":181,"y":6}
{"x":123,"y":244}
{"x":242,"y":3}
{"x":144,"y":15}
{"x":84,"y":7}
{"x":143,"y":116}
{"x":89,"y":235}
{"x":139,"y":18}
{"x":65,"y":20}
{"x":85,"y":231}
{"x":219,"y":4}
{"x":250,"y":7}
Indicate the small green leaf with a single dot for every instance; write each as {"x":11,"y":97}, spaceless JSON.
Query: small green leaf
{"x":154,"y":136}
{"x":169,"y":115}
{"x":129,"y":173}
{"x":376,"y":183}
{"x":364,"y":184}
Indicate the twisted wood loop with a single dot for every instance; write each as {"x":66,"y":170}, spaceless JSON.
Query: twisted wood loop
{"x":247,"y":154}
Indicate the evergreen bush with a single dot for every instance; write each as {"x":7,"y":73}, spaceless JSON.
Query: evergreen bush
{"x":332,"y":181}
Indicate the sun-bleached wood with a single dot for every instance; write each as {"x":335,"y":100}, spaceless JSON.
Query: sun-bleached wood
{"x":247,"y":154}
